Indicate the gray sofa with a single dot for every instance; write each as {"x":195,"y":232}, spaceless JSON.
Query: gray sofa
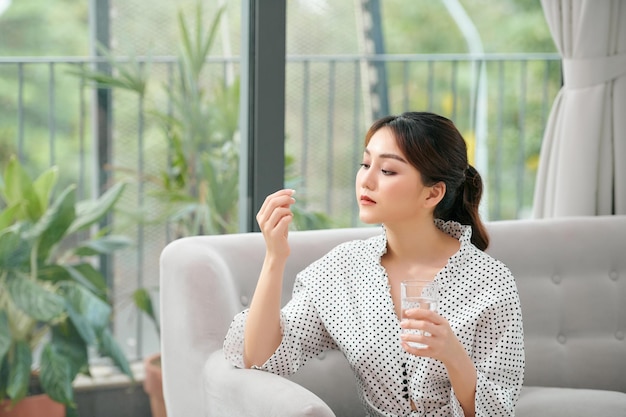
{"x":570,"y":272}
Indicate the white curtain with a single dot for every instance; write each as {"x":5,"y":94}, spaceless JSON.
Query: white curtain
{"x":582,"y":165}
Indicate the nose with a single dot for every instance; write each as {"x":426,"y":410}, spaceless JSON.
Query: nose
{"x":365,"y":179}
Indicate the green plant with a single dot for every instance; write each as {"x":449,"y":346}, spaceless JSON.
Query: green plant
{"x":198,"y":185}
{"x":54,"y":304}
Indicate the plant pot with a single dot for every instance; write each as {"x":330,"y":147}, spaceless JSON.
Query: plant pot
{"x":153,"y":385}
{"x":33,"y":406}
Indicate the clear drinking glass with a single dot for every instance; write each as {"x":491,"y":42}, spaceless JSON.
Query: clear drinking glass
{"x":418,"y":294}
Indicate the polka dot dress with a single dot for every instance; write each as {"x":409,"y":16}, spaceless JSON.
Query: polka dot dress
{"x":342,"y":301}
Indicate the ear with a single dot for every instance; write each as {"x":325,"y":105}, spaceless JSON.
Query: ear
{"x":435,"y":194}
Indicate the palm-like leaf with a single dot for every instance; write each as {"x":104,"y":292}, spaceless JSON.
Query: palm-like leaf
{"x":129,"y":76}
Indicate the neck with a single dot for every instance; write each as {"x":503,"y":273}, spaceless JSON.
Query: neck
{"x":419,"y":243}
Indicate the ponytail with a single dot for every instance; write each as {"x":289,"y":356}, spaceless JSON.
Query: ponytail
{"x":465,"y":207}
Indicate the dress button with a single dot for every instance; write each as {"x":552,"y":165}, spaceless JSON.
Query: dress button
{"x":556,"y":278}
{"x":619,"y":335}
{"x":561,"y":339}
{"x":244,"y":300}
{"x":613,"y":275}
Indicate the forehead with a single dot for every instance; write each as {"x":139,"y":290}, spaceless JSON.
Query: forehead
{"x":383,"y":141}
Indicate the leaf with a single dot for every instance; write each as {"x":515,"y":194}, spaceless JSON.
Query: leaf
{"x":204,"y":50}
{"x":54,"y":223}
{"x":5,"y":335}
{"x":110,"y":348}
{"x":83,"y":327}
{"x":71,"y":411}
{"x":103,"y":245}
{"x":82,"y":273}
{"x":33,"y":299}
{"x":92,"y":211}
{"x":194,"y":52}
{"x":68,"y":342}
{"x":9,"y":215}
{"x":4,"y":377}
{"x":87,"y":312}
{"x":143,"y":301}
{"x":14,"y":251}
{"x":19,"y":371}
{"x":53,"y":273}
{"x":86,"y":275}
{"x":55,"y":376}
{"x":131,"y":76}
{"x":44,"y":185}
{"x":18,"y":189}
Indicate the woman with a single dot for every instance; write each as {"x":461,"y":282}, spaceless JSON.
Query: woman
{"x":416,"y":181}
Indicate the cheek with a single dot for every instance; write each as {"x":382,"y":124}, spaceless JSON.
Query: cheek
{"x":408,"y":190}
{"x":406,"y":196}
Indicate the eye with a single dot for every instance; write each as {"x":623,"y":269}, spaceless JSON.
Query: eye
{"x":386,"y":172}
{"x":364,"y":165}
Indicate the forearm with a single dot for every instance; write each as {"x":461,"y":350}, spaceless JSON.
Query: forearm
{"x":262,"y":334}
{"x":463,"y":377}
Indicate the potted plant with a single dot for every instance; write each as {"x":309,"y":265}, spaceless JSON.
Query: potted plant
{"x":54,"y":303}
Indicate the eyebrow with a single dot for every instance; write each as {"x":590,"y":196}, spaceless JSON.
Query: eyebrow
{"x":389,"y":156}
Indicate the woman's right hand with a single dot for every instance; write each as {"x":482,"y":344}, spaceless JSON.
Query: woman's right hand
{"x":274,"y":218}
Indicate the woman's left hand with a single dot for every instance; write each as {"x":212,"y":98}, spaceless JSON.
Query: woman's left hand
{"x":442,"y":344}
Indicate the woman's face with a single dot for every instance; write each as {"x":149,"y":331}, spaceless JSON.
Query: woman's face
{"x":389,"y":189}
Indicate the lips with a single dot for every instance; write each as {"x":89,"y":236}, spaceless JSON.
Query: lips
{"x":366,"y":200}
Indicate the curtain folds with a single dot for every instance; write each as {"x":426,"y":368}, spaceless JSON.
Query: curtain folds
{"x":582,"y":165}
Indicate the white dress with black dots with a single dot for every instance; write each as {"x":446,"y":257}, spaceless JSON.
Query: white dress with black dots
{"x":342,"y":301}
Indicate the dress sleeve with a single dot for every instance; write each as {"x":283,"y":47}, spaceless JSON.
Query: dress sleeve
{"x":304,"y":333}
{"x":499,"y":365}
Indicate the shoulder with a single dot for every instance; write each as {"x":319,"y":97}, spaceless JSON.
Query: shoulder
{"x":485,"y":270}
{"x":353,"y":250}
{"x":347,"y":256}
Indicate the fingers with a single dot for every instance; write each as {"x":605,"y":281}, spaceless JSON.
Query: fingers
{"x":423,"y":314}
{"x":280,"y":198}
{"x":275,"y":210}
{"x":434,"y":334}
{"x":427,"y":337}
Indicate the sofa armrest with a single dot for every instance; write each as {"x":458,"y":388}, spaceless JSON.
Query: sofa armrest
{"x":198,"y":301}
{"x":248,"y":392}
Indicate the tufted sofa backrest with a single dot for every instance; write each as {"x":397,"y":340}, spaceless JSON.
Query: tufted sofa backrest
{"x":571,"y":276}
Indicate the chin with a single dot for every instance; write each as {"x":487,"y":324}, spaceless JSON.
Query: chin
{"x":368,"y":219}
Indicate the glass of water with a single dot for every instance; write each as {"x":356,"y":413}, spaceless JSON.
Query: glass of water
{"x":418,"y":294}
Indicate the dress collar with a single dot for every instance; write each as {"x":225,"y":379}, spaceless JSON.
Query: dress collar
{"x":455,"y":229}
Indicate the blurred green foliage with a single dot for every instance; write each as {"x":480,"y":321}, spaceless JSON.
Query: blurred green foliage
{"x":34,"y":28}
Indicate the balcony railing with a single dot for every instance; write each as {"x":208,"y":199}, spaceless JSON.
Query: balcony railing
{"x":499,"y":102}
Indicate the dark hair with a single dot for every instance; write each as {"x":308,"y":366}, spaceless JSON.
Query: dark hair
{"x":434,"y":146}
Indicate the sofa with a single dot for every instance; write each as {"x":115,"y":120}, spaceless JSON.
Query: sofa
{"x":570,"y":273}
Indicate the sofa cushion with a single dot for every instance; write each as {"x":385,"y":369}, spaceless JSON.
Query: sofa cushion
{"x":558,"y":402}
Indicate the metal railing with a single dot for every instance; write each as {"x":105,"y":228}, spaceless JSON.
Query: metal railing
{"x":499,"y":102}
